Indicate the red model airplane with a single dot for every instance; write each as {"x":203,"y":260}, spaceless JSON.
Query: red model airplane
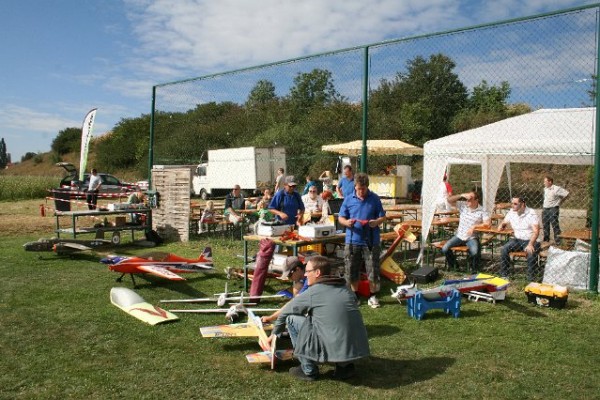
{"x":164,"y":265}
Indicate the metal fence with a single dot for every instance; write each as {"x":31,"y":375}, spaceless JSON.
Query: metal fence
{"x":419,"y":90}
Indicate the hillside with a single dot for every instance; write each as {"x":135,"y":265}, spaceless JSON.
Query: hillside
{"x":47,"y":167}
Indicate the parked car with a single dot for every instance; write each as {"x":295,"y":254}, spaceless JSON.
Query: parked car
{"x":110,"y":184}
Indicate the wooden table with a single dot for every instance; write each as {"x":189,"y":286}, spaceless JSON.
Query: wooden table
{"x":411,"y":210}
{"x":573,"y":234}
{"x":293,"y":244}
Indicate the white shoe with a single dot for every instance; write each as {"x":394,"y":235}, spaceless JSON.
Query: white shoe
{"x":373,"y":302}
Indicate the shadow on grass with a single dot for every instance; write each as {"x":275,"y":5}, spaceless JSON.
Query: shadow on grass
{"x":382,"y":330}
{"x":530,"y":311}
{"x":384,"y":373}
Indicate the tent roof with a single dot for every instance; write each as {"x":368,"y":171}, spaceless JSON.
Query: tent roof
{"x":374,"y":147}
{"x":548,"y":133}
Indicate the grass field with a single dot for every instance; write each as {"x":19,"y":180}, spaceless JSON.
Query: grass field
{"x":61,"y":338}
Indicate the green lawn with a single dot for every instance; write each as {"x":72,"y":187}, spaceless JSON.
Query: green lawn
{"x":61,"y":338}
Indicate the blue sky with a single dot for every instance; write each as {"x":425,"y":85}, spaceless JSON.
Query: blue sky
{"x":61,"y":58}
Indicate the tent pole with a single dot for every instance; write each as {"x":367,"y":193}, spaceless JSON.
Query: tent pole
{"x":595,"y":206}
{"x":365,"y":112}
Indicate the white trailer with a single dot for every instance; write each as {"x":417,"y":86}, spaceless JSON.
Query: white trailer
{"x":253,"y":168}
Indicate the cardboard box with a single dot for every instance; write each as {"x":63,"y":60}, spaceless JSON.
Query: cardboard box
{"x":316,"y":231}
{"x":273,"y":230}
{"x":120,"y":221}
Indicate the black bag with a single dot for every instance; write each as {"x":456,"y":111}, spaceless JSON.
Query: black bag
{"x":153,"y":236}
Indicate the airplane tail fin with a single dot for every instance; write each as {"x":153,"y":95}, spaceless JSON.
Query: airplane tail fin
{"x":206,"y":255}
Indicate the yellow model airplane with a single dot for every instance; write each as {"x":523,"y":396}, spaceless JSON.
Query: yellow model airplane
{"x":253,"y":328}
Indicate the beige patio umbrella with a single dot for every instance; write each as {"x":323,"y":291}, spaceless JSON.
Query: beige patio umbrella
{"x":374,"y":147}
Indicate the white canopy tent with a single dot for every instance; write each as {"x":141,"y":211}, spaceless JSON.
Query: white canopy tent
{"x":546,"y":136}
{"x":374,"y":147}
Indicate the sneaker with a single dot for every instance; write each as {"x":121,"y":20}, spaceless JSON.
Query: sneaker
{"x":297,"y":372}
{"x":373,"y":302}
{"x":343,"y":373}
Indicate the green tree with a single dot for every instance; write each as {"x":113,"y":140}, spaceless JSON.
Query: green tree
{"x":3,"y":154}
{"x":28,"y":156}
{"x":67,"y":141}
{"x":262,"y":94}
{"x":487,"y":104}
{"x":419,"y":104}
{"x":311,"y":90}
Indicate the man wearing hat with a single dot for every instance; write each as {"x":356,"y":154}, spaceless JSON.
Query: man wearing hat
{"x":287,"y":204}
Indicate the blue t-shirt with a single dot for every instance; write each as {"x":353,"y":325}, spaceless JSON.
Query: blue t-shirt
{"x":367,"y":209}
{"x":287,"y":203}
{"x":346,"y":186}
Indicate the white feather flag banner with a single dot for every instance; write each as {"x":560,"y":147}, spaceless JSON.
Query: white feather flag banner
{"x":86,"y":135}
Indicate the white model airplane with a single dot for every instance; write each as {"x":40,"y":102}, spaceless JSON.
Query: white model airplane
{"x":223,"y":298}
{"x":232,"y":313}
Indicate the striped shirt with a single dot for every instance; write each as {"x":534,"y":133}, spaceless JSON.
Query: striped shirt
{"x":468,"y":218}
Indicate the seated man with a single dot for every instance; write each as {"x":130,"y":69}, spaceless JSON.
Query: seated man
{"x":287,"y":204}
{"x":333,"y":331}
{"x":472,"y":216}
{"x":526,"y":229}
{"x":234,"y":201}
{"x":312,"y":203}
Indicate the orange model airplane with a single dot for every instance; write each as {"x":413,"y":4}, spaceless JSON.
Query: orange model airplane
{"x":164,"y":265}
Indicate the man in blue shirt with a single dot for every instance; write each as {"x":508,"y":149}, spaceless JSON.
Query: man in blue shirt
{"x":362,"y":214}
{"x":345,"y":186}
{"x":287,"y":204}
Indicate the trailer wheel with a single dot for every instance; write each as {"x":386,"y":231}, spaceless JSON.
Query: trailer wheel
{"x":204,"y":194}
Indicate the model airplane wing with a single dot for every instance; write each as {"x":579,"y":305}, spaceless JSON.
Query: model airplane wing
{"x":245,"y":329}
{"x":161,"y":272}
{"x":74,"y":246}
{"x":216,"y":299}
{"x":134,"y":305}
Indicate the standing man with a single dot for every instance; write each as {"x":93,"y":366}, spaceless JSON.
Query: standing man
{"x":526,"y":227}
{"x":93,"y":189}
{"x":279,"y":180}
{"x":362,"y":213}
{"x":287,"y":204}
{"x":324,"y":324}
{"x":234,"y":201}
{"x":472,"y":216}
{"x":554,"y":196}
{"x":345,"y":186}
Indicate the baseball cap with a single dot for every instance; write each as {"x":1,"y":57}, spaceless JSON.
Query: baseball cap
{"x":291,"y":180}
{"x":291,"y":263}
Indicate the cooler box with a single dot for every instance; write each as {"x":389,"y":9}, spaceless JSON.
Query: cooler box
{"x":547,"y":295}
{"x":273,"y":230}
{"x":424,"y":274}
{"x":316,"y":231}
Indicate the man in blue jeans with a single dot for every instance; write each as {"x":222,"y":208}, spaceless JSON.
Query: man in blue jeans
{"x":324,"y":324}
{"x":472,"y":216}
{"x":526,"y":227}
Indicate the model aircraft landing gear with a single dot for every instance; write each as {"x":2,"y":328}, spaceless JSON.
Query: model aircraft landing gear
{"x":120,"y":279}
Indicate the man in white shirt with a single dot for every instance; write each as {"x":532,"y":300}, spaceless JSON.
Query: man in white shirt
{"x":312,"y":201}
{"x":554,"y":196}
{"x":526,"y":229}
{"x":472,"y":216}
{"x":93,"y":189}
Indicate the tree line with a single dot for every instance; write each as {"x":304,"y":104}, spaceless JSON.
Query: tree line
{"x":425,"y":102}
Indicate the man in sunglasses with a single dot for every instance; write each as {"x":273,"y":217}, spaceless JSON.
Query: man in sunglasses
{"x":472,"y":216}
{"x":324,"y":323}
{"x":526,"y":227}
